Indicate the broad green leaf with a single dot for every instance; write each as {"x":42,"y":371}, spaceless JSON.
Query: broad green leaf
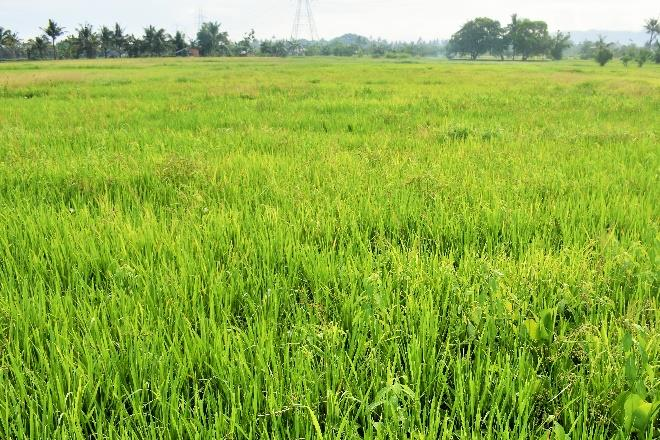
{"x":637,"y":413}
{"x":547,"y":325}
{"x":532,"y":329}
{"x":559,"y":433}
{"x":630,"y":369}
{"x":627,"y":342}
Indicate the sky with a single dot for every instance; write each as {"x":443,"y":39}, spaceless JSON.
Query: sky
{"x":390,"y":19}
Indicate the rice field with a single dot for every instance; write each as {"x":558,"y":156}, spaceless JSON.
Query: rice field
{"x":324,"y":248}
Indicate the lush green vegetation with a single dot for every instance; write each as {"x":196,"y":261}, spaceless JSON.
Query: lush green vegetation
{"x":301,"y":248}
{"x":522,"y":37}
{"x":89,"y":42}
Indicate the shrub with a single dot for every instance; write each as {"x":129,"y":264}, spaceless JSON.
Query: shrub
{"x":643,"y":56}
{"x":604,"y":55}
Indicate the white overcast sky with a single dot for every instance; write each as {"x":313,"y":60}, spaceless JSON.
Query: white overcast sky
{"x":391,"y":19}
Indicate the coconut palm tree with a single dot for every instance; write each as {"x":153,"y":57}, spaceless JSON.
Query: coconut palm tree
{"x":86,"y":41}
{"x":119,"y":39}
{"x":178,"y":42}
{"x":652,"y":27}
{"x":37,"y":47}
{"x":106,"y":36}
{"x":7,"y":38}
{"x":211,"y":41}
{"x":8,"y":41}
{"x":155,"y":40}
{"x":53,"y":31}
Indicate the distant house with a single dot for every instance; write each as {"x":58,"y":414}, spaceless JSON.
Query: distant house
{"x":187,"y":52}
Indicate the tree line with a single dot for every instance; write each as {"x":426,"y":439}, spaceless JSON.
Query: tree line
{"x":603,"y":52}
{"x":114,"y":42}
{"x":525,"y":38}
{"x":521,"y":39}
{"x":86,"y":41}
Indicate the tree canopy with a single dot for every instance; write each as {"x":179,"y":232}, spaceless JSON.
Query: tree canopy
{"x":604,"y":53}
{"x":477,"y":37}
{"x":530,"y":38}
{"x":652,"y":27}
{"x":558,"y":44}
{"x":211,"y":40}
{"x":53,"y":31}
{"x":7,"y":38}
{"x":522,"y":37}
{"x":154,"y":40}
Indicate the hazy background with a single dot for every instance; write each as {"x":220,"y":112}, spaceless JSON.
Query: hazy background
{"x":391,"y":19}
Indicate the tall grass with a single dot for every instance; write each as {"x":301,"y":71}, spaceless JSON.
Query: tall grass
{"x":321,"y":248}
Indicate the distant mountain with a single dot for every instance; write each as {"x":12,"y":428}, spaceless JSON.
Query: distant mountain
{"x":351,"y":39}
{"x":622,"y":37}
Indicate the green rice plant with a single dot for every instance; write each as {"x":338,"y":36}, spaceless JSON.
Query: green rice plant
{"x":325,"y":248}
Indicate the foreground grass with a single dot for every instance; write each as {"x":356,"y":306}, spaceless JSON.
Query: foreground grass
{"x":323,"y":248}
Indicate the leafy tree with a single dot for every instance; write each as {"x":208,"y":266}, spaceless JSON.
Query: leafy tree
{"x":8,"y":39}
{"x":178,"y":42}
{"x":586,"y":50}
{"x":86,"y":41}
{"x":643,"y":55}
{"x":107,"y":39}
{"x":118,"y":39}
{"x":211,"y":40}
{"x":53,"y":31}
{"x":528,"y":38}
{"x":603,"y":53}
{"x":652,"y":27}
{"x":512,"y":36}
{"x":37,"y":47}
{"x":500,"y":44}
{"x":41,"y":45}
{"x":558,"y":44}
{"x":277,"y":48}
{"x":626,"y":59}
{"x":477,"y":37}
{"x":347,"y":45}
{"x":68,"y":47}
{"x":246,"y":45}
{"x":155,"y":41}
{"x":133,"y":46}
{"x":628,"y":55}
{"x":379,"y":48}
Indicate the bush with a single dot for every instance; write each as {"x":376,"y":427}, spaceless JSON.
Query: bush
{"x":604,"y":55}
{"x":626,"y":58}
{"x":643,"y":56}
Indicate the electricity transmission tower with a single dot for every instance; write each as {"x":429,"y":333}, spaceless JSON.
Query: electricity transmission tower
{"x":304,"y":26}
{"x":200,"y":19}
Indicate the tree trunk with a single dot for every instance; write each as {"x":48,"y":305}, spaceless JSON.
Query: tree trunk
{"x":54,"y":50}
